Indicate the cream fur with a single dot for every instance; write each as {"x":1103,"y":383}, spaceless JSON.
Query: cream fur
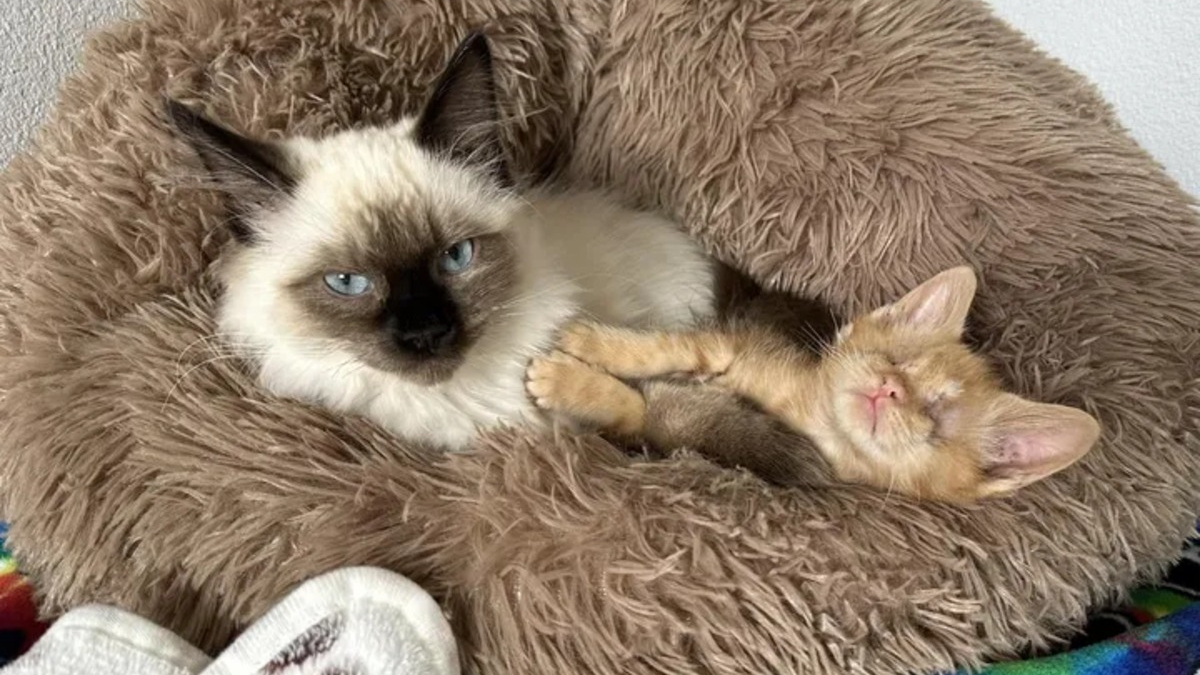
{"x":580,"y":253}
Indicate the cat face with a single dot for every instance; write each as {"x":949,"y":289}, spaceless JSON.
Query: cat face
{"x":411,"y":293}
{"x":921,"y":413}
{"x":399,"y":246}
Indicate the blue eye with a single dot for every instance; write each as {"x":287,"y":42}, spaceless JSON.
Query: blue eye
{"x":458,"y":257}
{"x":347,"y":284}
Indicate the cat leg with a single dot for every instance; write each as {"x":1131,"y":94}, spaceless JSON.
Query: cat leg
{"x":758,"y":366}
{"x":635,"y":354}
{"x":562,"y":384}
{"x":780,"y":381}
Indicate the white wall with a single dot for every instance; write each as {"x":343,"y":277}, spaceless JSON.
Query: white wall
{"x":1144,"y":55}
{"x":39,"y":42}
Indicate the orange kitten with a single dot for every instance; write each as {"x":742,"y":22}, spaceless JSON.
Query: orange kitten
{"x":897,"y":401}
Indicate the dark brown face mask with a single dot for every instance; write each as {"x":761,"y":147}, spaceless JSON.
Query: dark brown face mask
{"x":418,"y":287}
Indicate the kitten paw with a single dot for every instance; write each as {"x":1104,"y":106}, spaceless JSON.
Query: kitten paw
{"x":565,"y":385}
{"x":547,"y":380}
{"x":631,"y":354}
{"x":617,"y":351}
{"x":582,"y":340}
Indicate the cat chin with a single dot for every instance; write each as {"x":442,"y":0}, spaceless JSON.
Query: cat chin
{"x":855,"y":430}
{"x":852,"y":414}
{"x":425,"y":372}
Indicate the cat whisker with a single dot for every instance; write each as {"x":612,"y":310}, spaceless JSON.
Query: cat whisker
{"x":820,"y":342}
{"x":253,"y":349}
{"x":203,"y":339}
{"x":887,"y":496}
{"x":179,"y":380}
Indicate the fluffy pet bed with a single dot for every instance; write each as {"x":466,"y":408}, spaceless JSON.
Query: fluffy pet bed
{"x":848,"y":149}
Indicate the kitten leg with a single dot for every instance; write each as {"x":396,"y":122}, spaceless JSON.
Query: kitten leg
{"x":642,"y":354}
{"x":758,"y":367}
{"x":781,"y":382}
{"x":565,"y":385}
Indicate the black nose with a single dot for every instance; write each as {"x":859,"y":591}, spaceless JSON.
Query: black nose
{"x":429,"y":340}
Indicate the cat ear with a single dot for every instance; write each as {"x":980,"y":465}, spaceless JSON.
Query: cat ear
{"x":254,"y":174}
{"x":461,"y":119}
{"x":1029,"y":441}
{"x":939,"y":305}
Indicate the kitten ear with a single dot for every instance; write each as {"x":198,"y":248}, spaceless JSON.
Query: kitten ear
{"x":1029,"y":441}
{"x":461,"y":119}
{"x":252,"y":173}
{"x":939,"y":305}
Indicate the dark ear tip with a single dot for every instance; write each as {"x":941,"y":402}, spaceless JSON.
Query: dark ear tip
{"x":182,"y":117}
{"x":476,"y":44}
{"x":177,"y":112}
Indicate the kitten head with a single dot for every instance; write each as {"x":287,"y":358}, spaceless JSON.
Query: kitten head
{"x":918,"y":412}
{"x":395,"y":246}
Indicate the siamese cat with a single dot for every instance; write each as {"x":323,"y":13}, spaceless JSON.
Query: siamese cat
{"x":896,"y":401}
{"x":398,"y":273}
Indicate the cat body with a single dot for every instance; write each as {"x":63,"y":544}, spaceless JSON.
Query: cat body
{"x":577,"y":255}
{"x":896,"y":400}
{"x":399,"y":274}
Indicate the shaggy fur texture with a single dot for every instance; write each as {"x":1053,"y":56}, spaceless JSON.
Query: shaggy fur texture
{"x":850,"y":149}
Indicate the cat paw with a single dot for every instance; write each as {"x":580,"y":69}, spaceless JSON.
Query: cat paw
{"x":582,"y":340}
{"x":547,"y":380}
{"x":631,"y":354}
{"x":616,"y":351}
{"x":562,"y":384}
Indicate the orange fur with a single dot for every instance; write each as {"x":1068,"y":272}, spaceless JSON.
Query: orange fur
{"x":567,"y":385}
{"x":897,"y":402}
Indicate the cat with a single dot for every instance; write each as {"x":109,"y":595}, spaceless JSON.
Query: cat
{"x":897,"y":401}
{"x":400,"y":273}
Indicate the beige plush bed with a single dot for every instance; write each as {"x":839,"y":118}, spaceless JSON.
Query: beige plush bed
{"x":848,"y":148}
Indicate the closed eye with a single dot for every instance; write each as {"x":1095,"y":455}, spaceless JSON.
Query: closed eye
{"x":933,"y":407}
{"x":943,"y":412}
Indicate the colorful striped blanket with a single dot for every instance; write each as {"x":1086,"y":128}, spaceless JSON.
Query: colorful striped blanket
{"x":19,"y":627}
{"x":1158,"y":633}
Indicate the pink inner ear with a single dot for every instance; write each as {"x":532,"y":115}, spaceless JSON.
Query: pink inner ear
{"x":939,"y":304}
{"x":1024,"y":449}
{"x":1038,"y":448}
{"x":933,"y":309}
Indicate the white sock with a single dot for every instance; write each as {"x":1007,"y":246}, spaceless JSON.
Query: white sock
{"x":102,"y":640}
{"x":353,"y":621}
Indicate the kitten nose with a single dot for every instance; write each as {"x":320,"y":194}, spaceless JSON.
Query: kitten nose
{"x":426,"y":340}
{"x":890,"y":388}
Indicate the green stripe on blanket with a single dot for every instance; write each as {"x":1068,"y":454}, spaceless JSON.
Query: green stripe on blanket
{"x":1168,"y":646}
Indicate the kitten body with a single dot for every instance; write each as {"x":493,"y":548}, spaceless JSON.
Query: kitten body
{"x":897,"y":400}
